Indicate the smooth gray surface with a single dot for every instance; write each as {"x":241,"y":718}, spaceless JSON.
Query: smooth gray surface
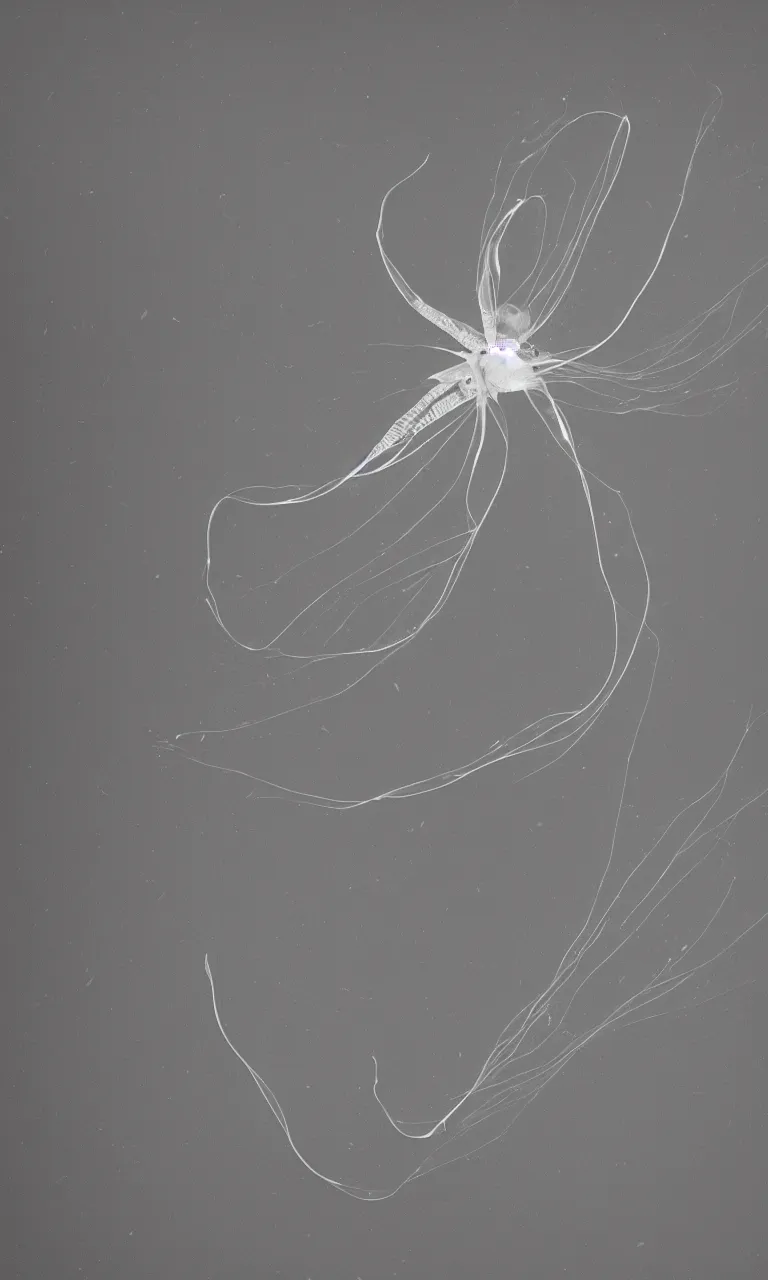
{"x":191,"y":284}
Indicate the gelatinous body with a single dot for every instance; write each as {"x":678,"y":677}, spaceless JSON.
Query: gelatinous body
{"x":326,"y":608}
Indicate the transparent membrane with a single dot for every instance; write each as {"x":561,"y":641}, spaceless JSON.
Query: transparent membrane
{"x":659,"y":938}
{"x":320,"y":588}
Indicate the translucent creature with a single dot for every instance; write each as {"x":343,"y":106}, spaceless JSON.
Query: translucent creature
{"x":326,"y":583}
{"x":391,"y":540}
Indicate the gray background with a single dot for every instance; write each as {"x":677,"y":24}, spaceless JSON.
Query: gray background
{"x":186,"y":192}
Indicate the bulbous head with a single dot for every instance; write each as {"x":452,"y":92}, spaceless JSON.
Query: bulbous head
{"x":512,"y":321}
